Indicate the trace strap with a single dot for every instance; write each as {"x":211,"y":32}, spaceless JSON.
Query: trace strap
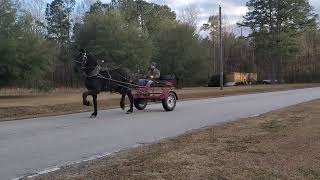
{"x":96,"y":72}
{"x":121,"y":82}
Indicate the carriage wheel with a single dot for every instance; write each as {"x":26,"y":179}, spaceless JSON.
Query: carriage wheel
{"x":170,"y":102}
{"x":140,"y":103}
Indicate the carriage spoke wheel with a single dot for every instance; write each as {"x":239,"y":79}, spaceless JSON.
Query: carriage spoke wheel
{"x":140,"y":103}
{"x":170,"y":102}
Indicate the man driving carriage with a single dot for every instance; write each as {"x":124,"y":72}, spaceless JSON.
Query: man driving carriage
{"x":152,"y":74}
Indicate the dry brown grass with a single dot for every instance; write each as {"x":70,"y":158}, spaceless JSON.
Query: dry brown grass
{"x":284,"y":144}
{"x":25,"y":103}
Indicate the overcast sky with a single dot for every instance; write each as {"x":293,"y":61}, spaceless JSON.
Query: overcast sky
{"x":233,"y":10}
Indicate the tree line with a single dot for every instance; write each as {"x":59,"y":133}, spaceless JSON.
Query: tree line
{"x":38,"y":41}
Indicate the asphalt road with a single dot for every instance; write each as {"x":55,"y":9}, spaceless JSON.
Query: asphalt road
{"x":34,"y":145}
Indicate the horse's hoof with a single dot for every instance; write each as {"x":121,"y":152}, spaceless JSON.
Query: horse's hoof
{"x":86,"y":103}
{"x":129,"y":112}
{"x":123,"y":107}
{"x":93,"y":116}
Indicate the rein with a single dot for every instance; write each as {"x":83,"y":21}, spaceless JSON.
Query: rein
{"x":96,"y":73}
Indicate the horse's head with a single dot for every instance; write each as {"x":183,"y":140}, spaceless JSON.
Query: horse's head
{"x":81,"y":60}
{"x":84,"y":61}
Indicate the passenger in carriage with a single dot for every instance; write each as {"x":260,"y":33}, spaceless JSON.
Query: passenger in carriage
{"x":152,"y":75}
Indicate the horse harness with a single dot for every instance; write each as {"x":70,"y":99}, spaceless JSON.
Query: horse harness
{"x":96,"y":73}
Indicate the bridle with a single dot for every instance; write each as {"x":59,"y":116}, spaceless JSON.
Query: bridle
{"x":84,"y":59}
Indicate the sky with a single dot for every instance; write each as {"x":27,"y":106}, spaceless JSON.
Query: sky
{"x":233,"y":10}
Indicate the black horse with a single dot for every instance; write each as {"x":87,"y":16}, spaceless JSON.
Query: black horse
{"x":98,"y":80}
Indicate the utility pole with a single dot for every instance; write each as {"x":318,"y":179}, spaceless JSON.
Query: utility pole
{"x":214,"y":57}
{"x":221,"y":54}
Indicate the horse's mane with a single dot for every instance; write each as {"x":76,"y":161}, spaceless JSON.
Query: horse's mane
{"x":91,"y":56}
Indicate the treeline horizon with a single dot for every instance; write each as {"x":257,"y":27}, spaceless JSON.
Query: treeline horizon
{"x":38,"y":41}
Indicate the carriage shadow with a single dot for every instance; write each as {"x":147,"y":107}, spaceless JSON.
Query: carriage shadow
{"x":148,"y":111}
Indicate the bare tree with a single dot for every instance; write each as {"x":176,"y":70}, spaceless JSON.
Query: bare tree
{"x":35,"y":8}
{"x":190,"y":15}
{"x":81,"y":8}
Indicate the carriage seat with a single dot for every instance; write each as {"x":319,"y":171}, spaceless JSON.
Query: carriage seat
{"x":165,"y":80}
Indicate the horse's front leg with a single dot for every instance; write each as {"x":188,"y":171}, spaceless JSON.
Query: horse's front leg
{"x":84,"y":98}
{"x":122,"y":105}
{"x":95,"y":105}
{"x":129,"y":94}
{"x":94,"y":95}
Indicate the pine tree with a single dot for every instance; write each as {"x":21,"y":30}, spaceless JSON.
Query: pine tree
{"x":58,"y":20}
{"x":275,"y":26}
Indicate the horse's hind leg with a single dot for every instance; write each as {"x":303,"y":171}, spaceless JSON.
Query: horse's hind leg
{"x":122,"y":101}
{"x":84,"y":99}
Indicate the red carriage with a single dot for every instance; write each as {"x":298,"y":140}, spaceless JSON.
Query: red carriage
{"x":162,"y":90}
